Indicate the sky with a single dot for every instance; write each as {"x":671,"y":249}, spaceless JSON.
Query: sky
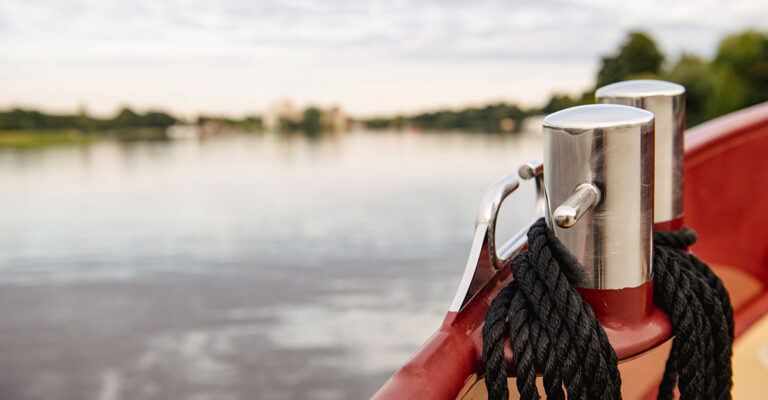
{"x":372,"y":57}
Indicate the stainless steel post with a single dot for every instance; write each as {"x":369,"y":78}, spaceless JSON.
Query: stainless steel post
{"x":666,"y":100}
{"x":598,"y":174}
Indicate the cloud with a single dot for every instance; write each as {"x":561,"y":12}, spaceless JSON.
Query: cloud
{"x":394,"y":29}
{"x":273,"y":41}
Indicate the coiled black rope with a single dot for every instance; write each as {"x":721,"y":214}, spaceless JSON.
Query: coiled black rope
{"x":552,"y":330}
{"x":549,"y":326}
{"x":701,"y":315}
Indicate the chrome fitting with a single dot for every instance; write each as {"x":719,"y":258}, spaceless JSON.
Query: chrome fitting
{"x":666,"y":100}
{"x":598,"y":180}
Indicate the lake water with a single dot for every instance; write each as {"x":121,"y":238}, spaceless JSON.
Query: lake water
{"x":236,"y":267}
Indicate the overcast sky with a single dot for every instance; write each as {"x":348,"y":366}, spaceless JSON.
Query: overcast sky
{"x":370,"y":56}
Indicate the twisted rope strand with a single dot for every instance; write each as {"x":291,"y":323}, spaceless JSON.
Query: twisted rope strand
{"x":550,"y":327}
{"x":553,"y":330}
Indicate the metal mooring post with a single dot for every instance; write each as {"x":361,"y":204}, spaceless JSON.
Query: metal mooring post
{"x":599,"y":185}
{"x":666,"y":100}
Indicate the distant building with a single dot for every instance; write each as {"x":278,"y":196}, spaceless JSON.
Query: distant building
{"x":283,"y":116}
{"x":507,"y":125}
{"x":533,"y":123}
{"x":335,"y":120}
{"x":282,"y":110}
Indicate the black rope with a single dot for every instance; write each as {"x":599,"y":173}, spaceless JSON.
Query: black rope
{"x":701,"y":315}
{"x":550,"y":327}
{"x":552,"y":330}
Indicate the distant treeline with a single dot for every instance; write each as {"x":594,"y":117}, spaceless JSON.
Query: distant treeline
{"x":125,"y":119}
{"x":309,"y":121}
{"x":735,"y":78}
{"x":19,"y":119}
{"x":249,"y":123}
{"x":491,"y":118}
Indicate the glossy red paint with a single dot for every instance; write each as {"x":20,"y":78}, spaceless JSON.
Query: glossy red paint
{"x":673,"y":225}
{"x":726,"y":195}
{"x":631,"y":321}
{"x":726,"y":202}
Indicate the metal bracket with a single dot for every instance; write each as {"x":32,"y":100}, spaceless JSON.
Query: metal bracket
{"x":484,"y":260}
{"x":531,"y":170}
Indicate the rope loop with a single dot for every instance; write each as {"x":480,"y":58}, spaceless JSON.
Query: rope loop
{"x":552,"y":330}
{"x":676,"y":239}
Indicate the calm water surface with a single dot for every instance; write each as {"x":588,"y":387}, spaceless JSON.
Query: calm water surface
{"x":237,"y":267}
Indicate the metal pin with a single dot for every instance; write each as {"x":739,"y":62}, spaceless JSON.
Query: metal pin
{"x":585,"y":197}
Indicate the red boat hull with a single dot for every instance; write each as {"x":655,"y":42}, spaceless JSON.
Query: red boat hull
{"x":726,"y":203}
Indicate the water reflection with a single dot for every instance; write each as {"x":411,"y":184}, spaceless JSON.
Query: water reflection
{"x":283,"y":266}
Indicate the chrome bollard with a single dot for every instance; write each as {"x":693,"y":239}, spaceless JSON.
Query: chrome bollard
{"x":598,"y":174}
{"x":666,"y":101}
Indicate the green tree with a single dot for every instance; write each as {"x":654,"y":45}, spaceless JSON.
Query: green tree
{"x":742,"y":60}
{"x":126,"y":118}
{"x":312,"y":121}
{"x":285,"y":124}
{"x":560,"y":102}
{"x":696,"y":75}
{"x":637,"y":56}
{"x":158,"y":119}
